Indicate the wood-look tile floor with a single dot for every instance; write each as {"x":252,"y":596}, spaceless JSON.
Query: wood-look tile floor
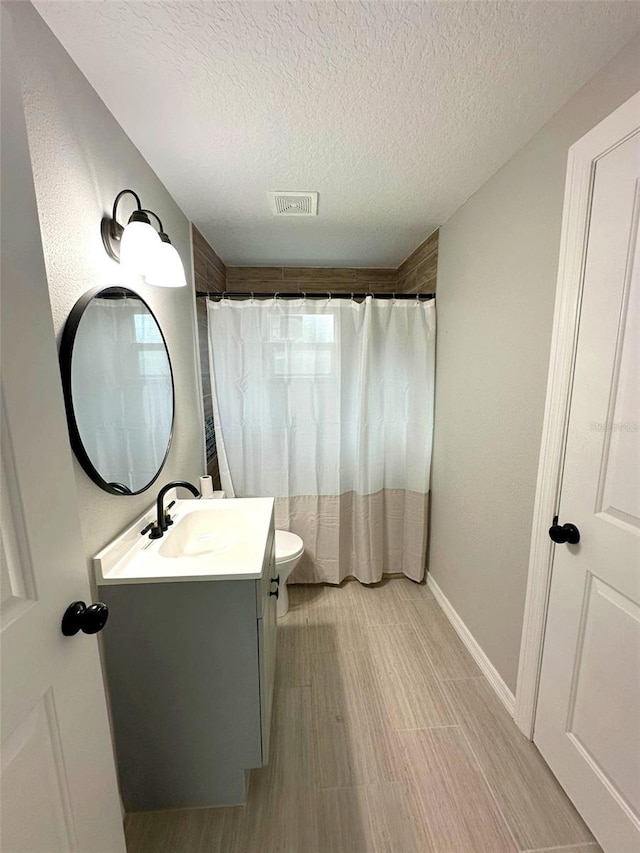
{"x":386,"y":739}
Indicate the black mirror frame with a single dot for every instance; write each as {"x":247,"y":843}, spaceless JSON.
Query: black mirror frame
{"x":66,"y":355}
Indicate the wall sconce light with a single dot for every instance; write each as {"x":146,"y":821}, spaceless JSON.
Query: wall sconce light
{"x":140,"y":249}
{"x":166,"y":268}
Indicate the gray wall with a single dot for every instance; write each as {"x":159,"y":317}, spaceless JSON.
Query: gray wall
{"x":81,"y":159}
{"x":496,"y":288}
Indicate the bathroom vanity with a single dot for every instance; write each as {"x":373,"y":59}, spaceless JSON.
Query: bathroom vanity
{"x":190,"y":652}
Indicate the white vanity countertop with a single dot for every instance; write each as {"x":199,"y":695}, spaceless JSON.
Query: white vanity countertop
{"x":225,"y":542}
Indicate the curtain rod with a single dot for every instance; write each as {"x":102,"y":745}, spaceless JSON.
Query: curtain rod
{"x":283,"y":294}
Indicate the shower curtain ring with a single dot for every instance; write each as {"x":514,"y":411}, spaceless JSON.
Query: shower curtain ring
{"x":329,"y":295}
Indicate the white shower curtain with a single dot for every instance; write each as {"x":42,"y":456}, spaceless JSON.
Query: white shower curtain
{"x":327,"y":405}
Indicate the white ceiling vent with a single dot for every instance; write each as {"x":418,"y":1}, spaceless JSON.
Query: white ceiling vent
{"x":293,"y":203}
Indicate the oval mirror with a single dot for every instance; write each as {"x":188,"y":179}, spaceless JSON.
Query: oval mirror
{"x":118,"y":388}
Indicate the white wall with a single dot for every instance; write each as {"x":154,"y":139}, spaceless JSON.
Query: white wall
{"x":497,"y":272}
{"x":81,"y":159}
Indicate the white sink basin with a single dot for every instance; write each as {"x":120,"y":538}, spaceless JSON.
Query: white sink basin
{"x":204,"y":532}
{"x":209,"y":540}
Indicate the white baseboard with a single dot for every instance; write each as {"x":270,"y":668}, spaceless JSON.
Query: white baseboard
{"x":487,"y":668}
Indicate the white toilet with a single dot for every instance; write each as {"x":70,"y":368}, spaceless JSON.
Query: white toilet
{"x":289,"y":549}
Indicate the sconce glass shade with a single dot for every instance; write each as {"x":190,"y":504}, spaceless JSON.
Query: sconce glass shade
{"x":139,"y":246}
{"x":166,"y":269}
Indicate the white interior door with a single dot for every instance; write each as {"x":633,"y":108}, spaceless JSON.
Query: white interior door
{"x":59,"y":790}
{"x":588,"y":714}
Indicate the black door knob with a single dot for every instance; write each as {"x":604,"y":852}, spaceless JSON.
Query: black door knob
{"x":561,"y":533}
{"x":79,"y":617}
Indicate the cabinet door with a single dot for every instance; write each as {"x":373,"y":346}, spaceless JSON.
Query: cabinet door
{"x":267,"y":628}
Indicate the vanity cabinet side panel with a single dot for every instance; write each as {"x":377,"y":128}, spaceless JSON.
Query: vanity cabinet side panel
{"x":182,"y":665}
{"x":267,"y":638}
{"x":265,"y":585}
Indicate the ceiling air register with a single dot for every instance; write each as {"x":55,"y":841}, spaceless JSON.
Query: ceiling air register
{"x":288,"y":203}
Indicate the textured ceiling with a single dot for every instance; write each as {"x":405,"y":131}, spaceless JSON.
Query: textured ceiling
{"x":394,"y":112}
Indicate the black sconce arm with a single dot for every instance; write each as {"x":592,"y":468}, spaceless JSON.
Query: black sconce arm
{"x":119,"y":196}
{"x":156,"y":217}
{"x":164,"y":237}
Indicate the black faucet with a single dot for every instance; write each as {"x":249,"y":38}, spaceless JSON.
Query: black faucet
{"x":158,"y":529}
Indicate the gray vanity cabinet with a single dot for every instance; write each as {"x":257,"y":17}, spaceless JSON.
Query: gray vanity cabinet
{"x":190,"y":669}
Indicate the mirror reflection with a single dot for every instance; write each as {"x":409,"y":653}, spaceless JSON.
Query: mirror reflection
{"x":119,"y":389}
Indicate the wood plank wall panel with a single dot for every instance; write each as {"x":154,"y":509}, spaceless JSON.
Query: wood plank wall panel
{"x":209,"y":275}
{"x":418,"y":274}
{"x":210,"y":272}
{"x":310,"y":279}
